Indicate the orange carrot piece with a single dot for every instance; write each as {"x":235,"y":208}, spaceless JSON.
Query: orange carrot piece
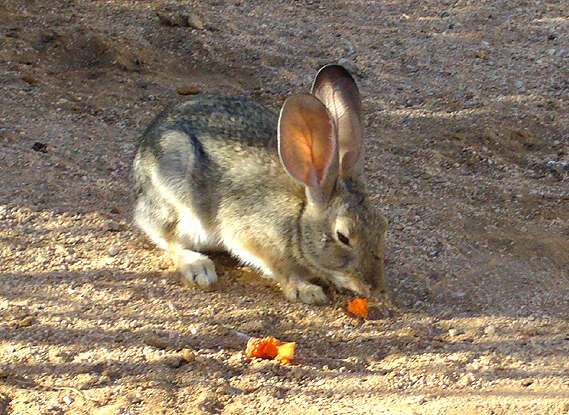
{"x":270,"y":348}
{"x":286,"y":352}
{"x":358,"y":307}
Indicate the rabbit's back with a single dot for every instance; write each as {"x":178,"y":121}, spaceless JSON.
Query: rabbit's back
{"x":211,"y":139}
{"x":223,"y":119}
{"x":209,"y":153}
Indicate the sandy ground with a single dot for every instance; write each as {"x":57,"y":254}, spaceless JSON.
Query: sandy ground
{"x":467,"y":125}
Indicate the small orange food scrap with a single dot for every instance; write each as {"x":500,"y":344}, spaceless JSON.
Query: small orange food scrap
{"x":265,"y":347}
{"x":270,"y":348}
{"x":358,"y":307}
{"x":286,"y":352}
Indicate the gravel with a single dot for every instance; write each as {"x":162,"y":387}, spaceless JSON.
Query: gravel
{"x":467,"y":142}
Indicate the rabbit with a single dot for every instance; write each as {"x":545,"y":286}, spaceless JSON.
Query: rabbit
{"x":285,"y":195}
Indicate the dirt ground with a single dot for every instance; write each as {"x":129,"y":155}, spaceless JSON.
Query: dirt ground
{"x":466,"y":109}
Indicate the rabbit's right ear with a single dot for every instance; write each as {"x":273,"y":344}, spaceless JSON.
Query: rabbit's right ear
{"x":336,"y":88}
{"x":308,"y":146}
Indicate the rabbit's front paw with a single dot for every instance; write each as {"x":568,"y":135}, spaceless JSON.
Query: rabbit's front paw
{"x":305,"y":292}
{"x":196,"y":269}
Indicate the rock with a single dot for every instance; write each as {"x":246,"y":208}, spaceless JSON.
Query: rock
{"x":194,"y":21}
{"x":490,"y":330}
{"x":47,"y":37}
{"x":188,"y":90}
{"x":25,"y":322}
{"x":134,"y":398}
{"x":112,"y":226}
{"x":174,"y":361}
{"x":207,"y":401}
{"x":113,"y":251}
{"x":529,"y":331}
{"x":526,"y":382}
{"x":155,"y":341}
{"x":40,"y":147}
{"x":30,"y":80}
{"x":297,"y":373}
{"x":171,"y":19}
{"x":254,"y":326}
{"x":188,"y":355}
{"x":237,"y":359}
{"x":179,"y":18}
{"x":378,"y":312}
{"x":466,"y":379}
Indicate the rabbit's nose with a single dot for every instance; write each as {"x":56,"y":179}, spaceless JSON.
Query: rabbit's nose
{"x":376,"y":280}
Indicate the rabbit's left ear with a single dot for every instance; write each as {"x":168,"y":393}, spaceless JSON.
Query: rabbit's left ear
{"x":337,"y":90}
{"x":308,"y":146}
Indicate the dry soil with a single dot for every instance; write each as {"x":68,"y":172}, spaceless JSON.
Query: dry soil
{"x":466,"y":109}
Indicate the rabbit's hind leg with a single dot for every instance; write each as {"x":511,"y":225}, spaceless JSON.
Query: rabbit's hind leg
{"x":194,"y":267}
{"x":155,"y":220}
{"x":171,"y":231}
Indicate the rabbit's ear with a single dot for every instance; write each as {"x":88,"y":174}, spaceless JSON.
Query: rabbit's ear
{"x":308,"y":146}
{"x":336,"y":88}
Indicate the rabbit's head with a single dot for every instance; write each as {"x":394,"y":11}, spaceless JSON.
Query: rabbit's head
{"x":341,"y":235}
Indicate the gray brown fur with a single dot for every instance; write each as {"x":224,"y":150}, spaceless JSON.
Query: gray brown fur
{"x":208,"y":176}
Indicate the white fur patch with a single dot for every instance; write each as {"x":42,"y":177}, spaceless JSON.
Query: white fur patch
{"x":246,"y":257}
{"x":190,"y":229}
{"x":192,"y":233}
{"x":153,"y":233}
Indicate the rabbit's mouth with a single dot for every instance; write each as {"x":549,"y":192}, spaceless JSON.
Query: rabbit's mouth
{"x":349,"y":282}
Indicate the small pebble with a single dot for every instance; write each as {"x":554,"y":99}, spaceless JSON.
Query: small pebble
{"x":297,"y":373}
{"x":159,"y":343}
{"x":135,"y":397}
{"x":188,"y":90}
{"x":67,"y":400}
{"x":188,"y":355}
{"x":113,"y":251}
{"x":420,"y":400}
{"x":112,"y":226}
{"x":174,"y":362}
{"x":25,"y":322}
{"x":195,"y":22}
{"x":466,"y":379}
{"x":490,"y":330}
{"x":526,"y":382}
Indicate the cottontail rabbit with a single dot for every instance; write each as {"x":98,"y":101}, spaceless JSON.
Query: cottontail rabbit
{"x":283,"y":194}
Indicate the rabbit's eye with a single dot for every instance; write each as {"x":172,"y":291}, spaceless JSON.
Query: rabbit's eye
{"x":343,"y":238}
